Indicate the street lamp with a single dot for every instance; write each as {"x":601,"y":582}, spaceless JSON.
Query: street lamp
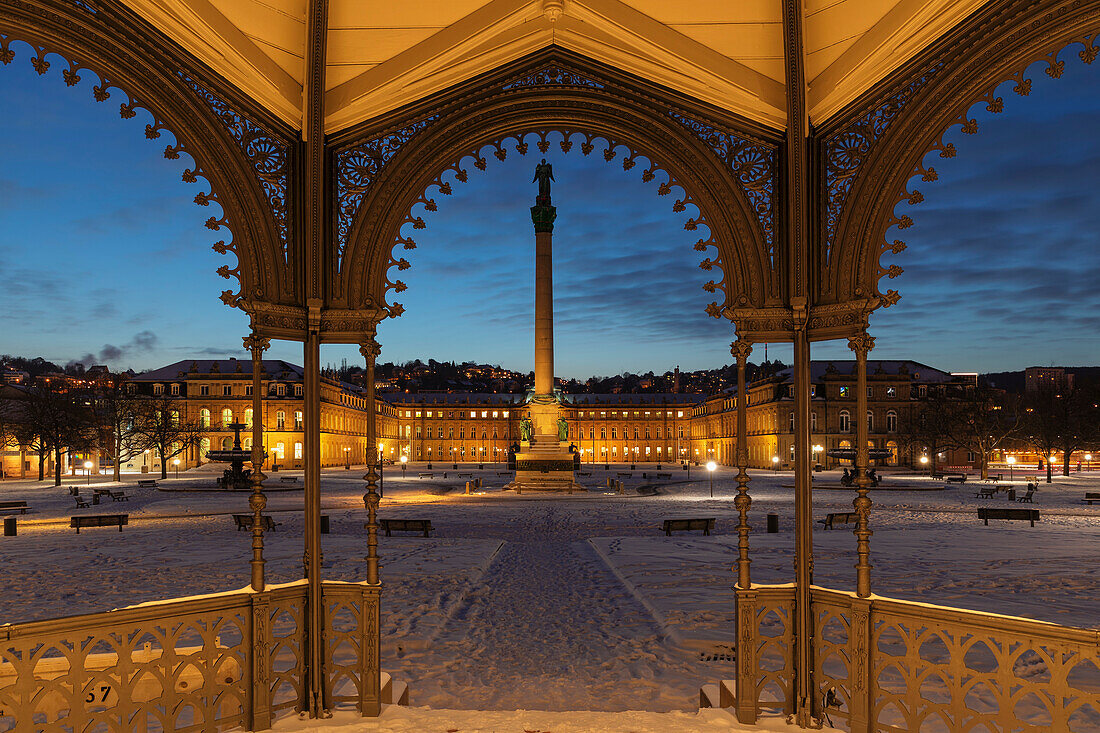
{"x":88,"y":470}
{"x":1088,"y":461}
{"x":429,"y":458}
{"x":347,"y":459}
{"x":924,"y":460}
{"x":176,"y":463}
{"x":404,"y":460}
{"x":711,"y":465}
{"x":775,"y":464}
{"x":817,"y":449}
{"x":1011,"y":464}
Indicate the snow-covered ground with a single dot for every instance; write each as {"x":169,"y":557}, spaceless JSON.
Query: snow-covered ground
{"x":557,"y":603}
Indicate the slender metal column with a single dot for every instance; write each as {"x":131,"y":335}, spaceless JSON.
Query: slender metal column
{"x":370,"y":350}
{"x":741,"y":349}
{"x":370,"y":684}
{"x":312,"y":440}
{"x":257,"y":345}
{"x":862,"y":345}
{"x":803,"y":552}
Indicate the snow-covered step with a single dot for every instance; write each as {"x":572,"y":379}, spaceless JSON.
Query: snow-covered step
{"x":394,"y":692}
{"x":721,"y":694}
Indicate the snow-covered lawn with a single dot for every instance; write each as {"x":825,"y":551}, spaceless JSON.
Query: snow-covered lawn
{"x":556,"y":603}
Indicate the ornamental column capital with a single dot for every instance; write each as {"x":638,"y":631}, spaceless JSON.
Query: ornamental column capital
{"x":861,"y":343}
{"x":741,"y":349}
{"x":370,"y":349}
{"x":256,"y":343}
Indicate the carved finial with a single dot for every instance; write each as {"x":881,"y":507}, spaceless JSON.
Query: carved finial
{"x":861,"y":343}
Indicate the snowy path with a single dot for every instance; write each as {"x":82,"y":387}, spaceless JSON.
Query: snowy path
{"x":550,"y":626}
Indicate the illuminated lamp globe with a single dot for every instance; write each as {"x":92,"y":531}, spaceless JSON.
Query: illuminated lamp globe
{"x":711,"y":465}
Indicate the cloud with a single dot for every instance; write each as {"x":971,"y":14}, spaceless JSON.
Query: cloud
{"x":142,"y":342}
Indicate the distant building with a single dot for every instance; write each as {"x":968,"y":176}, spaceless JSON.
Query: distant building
{"x":1038,"y":379}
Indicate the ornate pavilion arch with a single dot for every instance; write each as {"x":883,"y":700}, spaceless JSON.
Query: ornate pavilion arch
{"x":245,"y":155}
{"x":726,"y":167}
{"x":869,"y":159}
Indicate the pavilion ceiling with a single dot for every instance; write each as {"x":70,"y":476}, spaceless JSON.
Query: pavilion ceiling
{"x":382,"y":55}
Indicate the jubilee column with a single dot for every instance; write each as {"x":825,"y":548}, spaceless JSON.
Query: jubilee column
{"x":544,"y":462}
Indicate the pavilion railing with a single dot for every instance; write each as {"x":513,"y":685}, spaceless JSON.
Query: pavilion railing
{"x":888,"y":665}
{"x":208,"y":663}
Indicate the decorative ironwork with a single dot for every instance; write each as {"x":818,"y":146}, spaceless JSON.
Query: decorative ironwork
{"x":268,"y":155}
{"x":553,"y":76}
{"x":846,"y":150}
{"x":519,"y":143}
{"x":755,"y":165}
{"x":888,"y":665}
{"x":358,"y":167}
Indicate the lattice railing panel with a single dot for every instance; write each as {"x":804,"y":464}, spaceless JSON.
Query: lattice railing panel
{"x":287,"y":653}
{"x":890,"y":666}
{"x":174,"y":666}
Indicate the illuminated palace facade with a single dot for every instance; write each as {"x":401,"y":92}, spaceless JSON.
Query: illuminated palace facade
{"x":479,"y":427}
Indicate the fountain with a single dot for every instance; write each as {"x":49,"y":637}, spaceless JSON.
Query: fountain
{"x":235,"y":478}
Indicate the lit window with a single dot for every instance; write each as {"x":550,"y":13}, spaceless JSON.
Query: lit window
{"x":297,"y":390}
{"x":891,"y":392}
{"x":298,"y":420}
{"x":280,"y":390}
{"x":175,"y":389}
{"x":505,"y":413}
{"x":158,"y":389}
{"x":227,"y":416}
{"x":204,"y":417}
{"x":280,"y":450}
{"x":844,"y":391}
{"x":280,"y":421}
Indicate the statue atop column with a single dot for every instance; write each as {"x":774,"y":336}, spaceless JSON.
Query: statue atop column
{"x":544,"y":173}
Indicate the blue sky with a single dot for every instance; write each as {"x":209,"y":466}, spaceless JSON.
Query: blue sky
{"x":104,"y":257}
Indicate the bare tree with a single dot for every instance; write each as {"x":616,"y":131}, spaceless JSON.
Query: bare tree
{"x":1060,"y":419}
{"x":56,"y":420}
{"x":161,"y":428}
{"x":980,"y":419}
{"x":926,"y":428}
{"x":119,"y":414}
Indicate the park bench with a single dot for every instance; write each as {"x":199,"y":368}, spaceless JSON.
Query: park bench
{"x":147,"y":483}
{"x":955,"y":478}
{"x":101,"y":492}
{"x":623,"y":475}
{"x":986,"y":492}
{"x":405,"y":525}
{"x":1026,"y":498}
{"x":426,"y":475}
{"x":118,"y":495}
{"x":288,"y":479}
{"x":81,"y":502}
{"x":99,"y":520}
{"x":996,"y":477}
{"x":831,"y":520}
{"x":687,"y":525}
{"x":244,"y":521}
{"x":989,"y":512}
{"x":1091,"y":497}
{"x":11,"y":506}
{"x":464,"y":475}
{"x":504,"y":473}
{"x":584,"y":473}
{"x":663,"y":475}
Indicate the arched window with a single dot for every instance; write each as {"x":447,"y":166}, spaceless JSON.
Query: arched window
{"x":891,"y":446}
{"x":791,"y":421}
{"x":280,"y":420}
{"x":248,"y":417}
{"x":845,"y":444}
{"x":227,"y":417}
{"x":204,"y":448}
{"x":297,"y":419}
{"x":204,"y":420}
{"x":845,"y":422}
{"x":891,"y":422}
{"x":227,"y":443}
{"x":813,"y":422}
{"x":870,"y":422}
{"x":175,"y":389}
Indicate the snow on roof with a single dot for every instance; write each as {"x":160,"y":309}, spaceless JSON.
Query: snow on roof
{"x":275,"y":368}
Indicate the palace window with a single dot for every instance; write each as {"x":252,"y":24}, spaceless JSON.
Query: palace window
{"x":297,"y":390}
{"x":227,"y":417}
{"x":297,"y":419}
{"x":204,"y":417}
{"x":603,"y":433}
{"x":248,"y":390}
{"x":891,"y":422}
{"x":280,"y":450}
{"x":922,"y":390}
{"x":635,"y":433}
{"x":791,"y":428}
{"x":280,"y":421}
{"x":175,"y":388}
{"x":845,"y":422}
{"x":248,"y":417}
{"x":298,"y":450}
{"x":418,"y":432}
{"x":870,"y":393}
{"x":158,"y":389}
{"x":843,"y":391}
{"x":451,"y":433}
{"x":227,"y":390}
{"x":429,"y":434}
{"x":461,"y":433}
{"x":613,"y":436}
{"x":280,"y":390}
{"x":870,"y":422}
{"x":813,"y":422}
{"x":204,"y":390}
{"x":891,"y":392}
